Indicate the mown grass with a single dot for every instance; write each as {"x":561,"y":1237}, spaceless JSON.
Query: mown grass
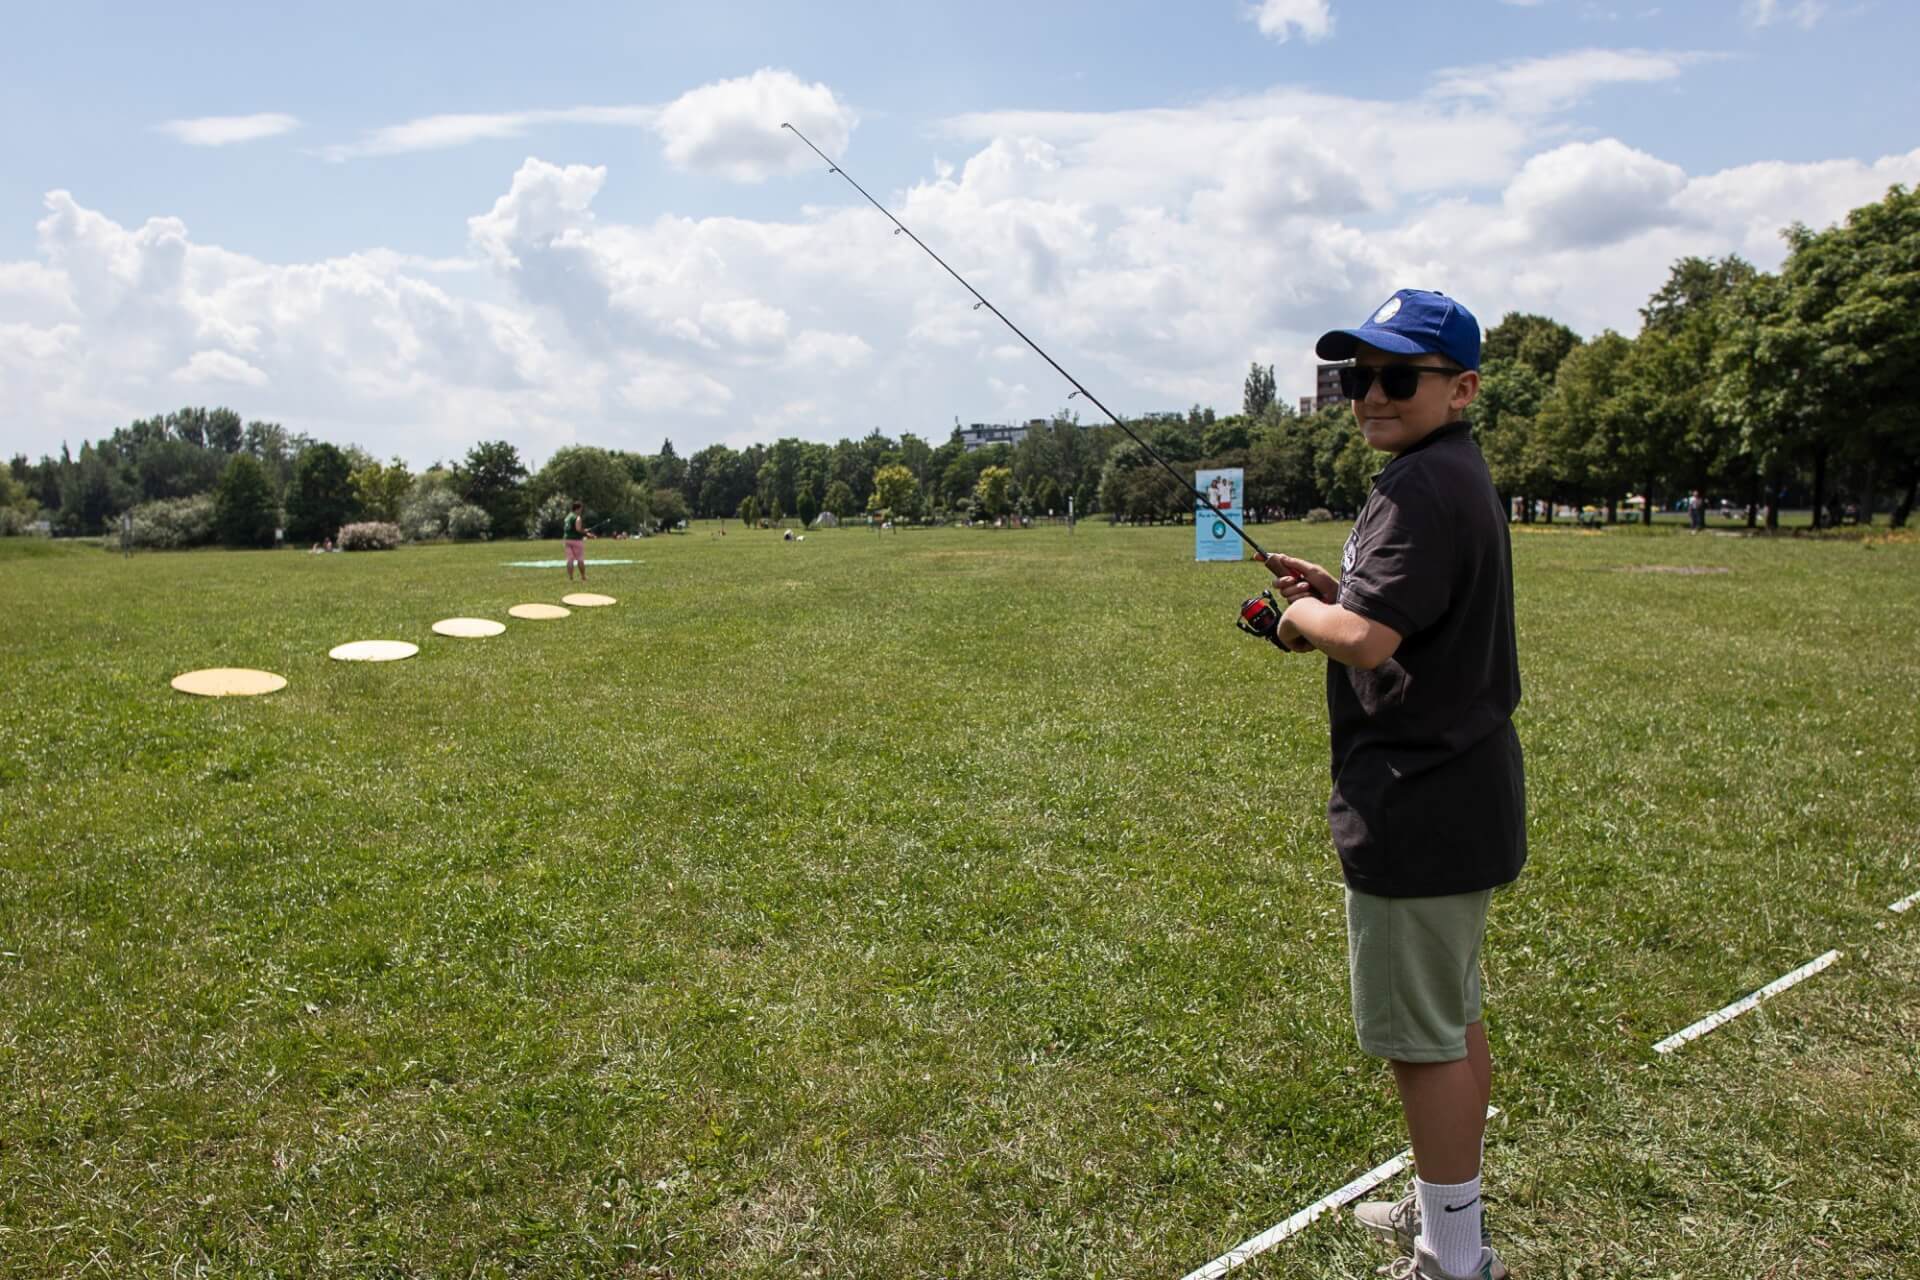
{"x":950,"y":903}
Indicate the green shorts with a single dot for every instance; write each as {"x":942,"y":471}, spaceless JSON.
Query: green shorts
{"x":1414,"y":968}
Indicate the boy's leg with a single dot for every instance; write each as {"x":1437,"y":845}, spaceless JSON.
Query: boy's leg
{"x":1446,"y":1117}
{"x":1415,"y":969}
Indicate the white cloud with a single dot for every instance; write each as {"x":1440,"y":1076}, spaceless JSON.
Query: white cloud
{"x":1534,"y":86}
{"x":1594,"y":193}
{"x":1801,"y":13}
{"x":219,"y":366}
{"x":438,"y":132}
{"x":1313,"y":19}
{"x":220,"y":131}
{"x":732,"y":128}
{"x":1152,"y":252}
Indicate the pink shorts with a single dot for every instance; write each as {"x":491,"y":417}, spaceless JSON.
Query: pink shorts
{"x":577,"y":550}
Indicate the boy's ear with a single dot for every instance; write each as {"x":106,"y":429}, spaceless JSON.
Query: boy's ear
{"x":1466,"y":389}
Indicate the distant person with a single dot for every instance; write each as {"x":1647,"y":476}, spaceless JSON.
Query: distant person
{"x":1428,"y":806}
{"x":574,"y":533}
{"x":1696,"y":512}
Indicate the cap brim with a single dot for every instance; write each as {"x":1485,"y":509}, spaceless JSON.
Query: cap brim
{"x":1340,"y":344}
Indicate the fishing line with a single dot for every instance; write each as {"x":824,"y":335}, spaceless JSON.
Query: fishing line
{"x":901,"y":229}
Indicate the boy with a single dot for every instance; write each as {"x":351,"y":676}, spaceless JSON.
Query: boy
{"x":1428,"y":803}
{"x":574,"y":533}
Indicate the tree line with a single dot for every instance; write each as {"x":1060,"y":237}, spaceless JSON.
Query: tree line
{"x":1760,"y":388}
{"x":1770,"y":388}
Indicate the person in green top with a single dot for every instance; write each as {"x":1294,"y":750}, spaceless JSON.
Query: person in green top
{"x":574,"y":530}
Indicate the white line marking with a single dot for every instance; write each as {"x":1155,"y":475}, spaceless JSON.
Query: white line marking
{"x":1745,"y":1003}
{"x":1248,"y":1250}
{"x":1904,"y":903}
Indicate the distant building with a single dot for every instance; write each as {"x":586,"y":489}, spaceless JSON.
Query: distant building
{"x":979,"y":435}
{"x":1326,"y":390}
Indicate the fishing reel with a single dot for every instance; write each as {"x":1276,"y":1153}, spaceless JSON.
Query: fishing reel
{"x":1260,"y":617}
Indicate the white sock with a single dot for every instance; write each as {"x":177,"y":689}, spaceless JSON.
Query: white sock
{"x":1450,"y":1223}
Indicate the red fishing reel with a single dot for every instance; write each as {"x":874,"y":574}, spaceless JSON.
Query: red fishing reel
{"x":1260,"y":616}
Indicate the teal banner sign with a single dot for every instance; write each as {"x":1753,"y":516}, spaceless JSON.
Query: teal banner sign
{"x":1212,"y":539}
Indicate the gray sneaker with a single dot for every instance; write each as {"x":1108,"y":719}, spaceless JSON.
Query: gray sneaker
{"x":1397,"y":1222}
{"x":1423,"y":1266}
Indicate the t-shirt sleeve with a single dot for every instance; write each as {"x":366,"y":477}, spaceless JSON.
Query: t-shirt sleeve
{"x":1401,"y":574}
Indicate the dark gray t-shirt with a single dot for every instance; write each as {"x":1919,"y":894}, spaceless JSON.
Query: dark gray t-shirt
{"x":1428,"y":791}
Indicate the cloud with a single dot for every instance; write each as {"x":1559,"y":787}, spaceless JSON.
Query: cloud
{"x":1535,"y":86}
{"x":730,"y":128}
{"x":1279,"y":19}
{"x":1801,"y":13}
{"x":1587,"y":194}
{"x":438,"y":132}
{"x":221,"y":131}
{"x":219,"y":366}
{"x":1153,"y":252}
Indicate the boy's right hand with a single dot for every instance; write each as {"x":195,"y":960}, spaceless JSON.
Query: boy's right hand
{"x":1294,"y":578}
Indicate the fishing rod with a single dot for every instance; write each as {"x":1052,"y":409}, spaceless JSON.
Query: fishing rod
{"x":901,"y":229}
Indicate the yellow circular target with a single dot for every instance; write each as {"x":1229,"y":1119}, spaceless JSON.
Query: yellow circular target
{"x":229,"y":682}
{"x":373,"y":651}
{"x":472,"y":628}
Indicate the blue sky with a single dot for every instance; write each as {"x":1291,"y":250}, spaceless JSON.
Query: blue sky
{"x":549,"y":224}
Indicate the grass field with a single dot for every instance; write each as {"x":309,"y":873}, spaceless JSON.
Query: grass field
{"x":955,"y":903}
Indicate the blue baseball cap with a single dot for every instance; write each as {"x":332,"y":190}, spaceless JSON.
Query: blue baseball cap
{"x":1412,"y":322}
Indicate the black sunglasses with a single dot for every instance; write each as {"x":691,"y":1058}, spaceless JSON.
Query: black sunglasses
{"x":1399,"y":381}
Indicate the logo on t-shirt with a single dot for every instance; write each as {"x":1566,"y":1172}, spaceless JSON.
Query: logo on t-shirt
{"x":1348,"y":555}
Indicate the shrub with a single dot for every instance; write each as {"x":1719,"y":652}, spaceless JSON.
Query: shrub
{"x":369,"y":535}
{"x":468,"y":523}
{"x":548,"y":517}
{"x":1319,"y":515}
{"x":425,"y":514}
{"x":173,"y":523}
{"x":18,"y":521}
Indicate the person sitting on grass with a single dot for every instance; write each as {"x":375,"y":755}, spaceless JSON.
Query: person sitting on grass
{"x":574,"y":533}
{"x":1428,"y":810}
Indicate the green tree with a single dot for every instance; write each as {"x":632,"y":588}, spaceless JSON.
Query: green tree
{"x":379,"y":490}
{"x":839,"y":500}
{"x":244,"y":509}
{"x":1258,"y":395}
{"x":93,"y":489}
{"x":600,"y":481}
{"x":669,"y":508}
{"x":667,"y":469}
{"x":1535,"y":341}
{"x":320,"y":496}
{"x":1852,"y":314}
{"x":993,"y":493}
{"x":276,"y":449}
{"x":175,"y":469}
{"x":494,"y":479}
{"x":1594,"y":440}
{"x":895,"y":492}
{"x":1668,"y":375}
{"x":1511,"y":393}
